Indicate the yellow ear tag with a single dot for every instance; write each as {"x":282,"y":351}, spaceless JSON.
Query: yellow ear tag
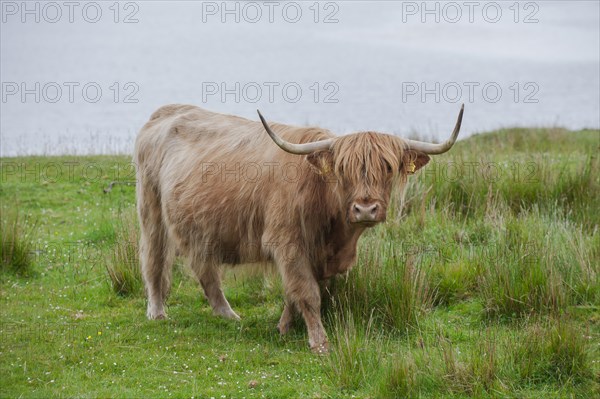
{"x":411,"y":168}
{"x":324,"y":168}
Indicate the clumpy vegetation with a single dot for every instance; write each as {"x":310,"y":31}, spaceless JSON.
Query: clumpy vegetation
{"x":484,"y":282}
{"x":16,"y":243}
{"x":123,"y":265}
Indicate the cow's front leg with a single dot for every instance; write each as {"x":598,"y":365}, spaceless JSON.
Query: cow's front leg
{"x":302,"y":290}
{"x":310,"y":307}
{"x":287,"y":318}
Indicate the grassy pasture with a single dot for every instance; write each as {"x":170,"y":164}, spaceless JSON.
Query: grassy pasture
{"x":484,"y":282}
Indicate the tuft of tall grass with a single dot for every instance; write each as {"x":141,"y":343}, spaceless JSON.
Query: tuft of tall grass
{"x":521,"y":288}
{"x":386,"y":286}
{"x":399,"y":379}
{"x":16,"y":243}
{"x":539,"y":265}
{"x":475,"y":371}
{"x":123,"y":265}
{"x":553,"y":352}
{"x":453,"y":281}
{"x":356,"y":352}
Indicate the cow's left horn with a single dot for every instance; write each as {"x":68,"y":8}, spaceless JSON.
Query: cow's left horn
{"x":433,"y":149}
{"x":292,"y":148}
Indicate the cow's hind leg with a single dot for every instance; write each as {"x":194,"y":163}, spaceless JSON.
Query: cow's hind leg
{"x":210,"y":279}
{"x":155,"y":254}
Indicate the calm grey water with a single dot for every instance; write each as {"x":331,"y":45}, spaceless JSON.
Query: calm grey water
{"x":82,"y":87}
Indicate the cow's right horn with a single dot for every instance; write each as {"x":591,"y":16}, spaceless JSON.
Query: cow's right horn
{"x":300,"y":149}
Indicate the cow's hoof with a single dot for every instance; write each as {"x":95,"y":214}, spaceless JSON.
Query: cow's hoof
{"x":228,"y":314}
{"x":321,"y":349}
{"x":156,"y":316}
{"x":284,"y":328}
{"x":155,"y":311}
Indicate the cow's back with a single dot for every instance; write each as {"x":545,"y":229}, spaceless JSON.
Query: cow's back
{"x":219,"y":177}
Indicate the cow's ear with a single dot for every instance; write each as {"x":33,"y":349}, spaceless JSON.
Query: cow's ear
{"x":413,"y":161}
{"x":321,"y":162}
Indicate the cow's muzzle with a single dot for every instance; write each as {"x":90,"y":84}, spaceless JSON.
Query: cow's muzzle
{"x":366,"y":213}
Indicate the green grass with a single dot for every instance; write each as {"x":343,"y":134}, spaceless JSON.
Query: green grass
{"x":485,"y":283}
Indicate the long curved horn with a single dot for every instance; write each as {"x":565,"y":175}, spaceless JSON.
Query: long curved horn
{"x":434,"y":149}
{"x":301,"y":149}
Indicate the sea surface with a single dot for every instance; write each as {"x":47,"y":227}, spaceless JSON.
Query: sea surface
{"x":83,"y":79}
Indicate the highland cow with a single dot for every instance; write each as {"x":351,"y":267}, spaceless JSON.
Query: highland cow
{"x":217,"y":190}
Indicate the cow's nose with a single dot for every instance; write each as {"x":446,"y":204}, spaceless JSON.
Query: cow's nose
{"x":365,"y":213}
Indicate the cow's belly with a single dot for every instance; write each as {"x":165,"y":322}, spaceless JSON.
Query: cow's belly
{"x":218,"y":235}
